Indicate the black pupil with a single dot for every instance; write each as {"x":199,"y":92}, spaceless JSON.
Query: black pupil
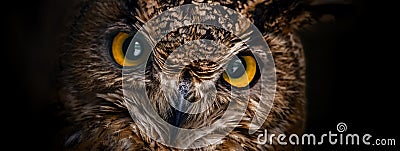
{"x":236,"y":68}
{"x":134,"y":53}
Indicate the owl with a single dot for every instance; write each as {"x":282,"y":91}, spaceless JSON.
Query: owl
{"x":105,"y":45}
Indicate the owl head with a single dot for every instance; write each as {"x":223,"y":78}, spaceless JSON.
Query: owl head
{"x":123,"y":78}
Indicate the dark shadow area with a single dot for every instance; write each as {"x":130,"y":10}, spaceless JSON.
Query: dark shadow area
{"x":351,"y":75}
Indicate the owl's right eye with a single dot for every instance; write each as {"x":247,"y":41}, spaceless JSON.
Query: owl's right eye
{"x":120,"y":53}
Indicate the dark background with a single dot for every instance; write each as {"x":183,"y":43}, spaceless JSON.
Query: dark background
{"x":351,"y":72}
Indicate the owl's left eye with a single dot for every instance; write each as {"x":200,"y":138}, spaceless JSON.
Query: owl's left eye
{"x":241,"y":71}
{"x":120,"y":53}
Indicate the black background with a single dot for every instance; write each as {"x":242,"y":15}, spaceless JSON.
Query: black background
{"x":351,"y":72}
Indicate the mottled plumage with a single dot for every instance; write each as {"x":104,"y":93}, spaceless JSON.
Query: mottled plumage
{"x":91,"y":83}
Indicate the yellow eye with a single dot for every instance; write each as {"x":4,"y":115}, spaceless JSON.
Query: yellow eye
{"x":120,"y":53}
{"x":241,"y":71}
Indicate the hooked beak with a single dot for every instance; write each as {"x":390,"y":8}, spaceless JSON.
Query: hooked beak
{"x":178,"y":118}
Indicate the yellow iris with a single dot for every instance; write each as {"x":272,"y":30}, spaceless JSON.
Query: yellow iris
{"x":246,"y":77}
{"x":119,"y":50}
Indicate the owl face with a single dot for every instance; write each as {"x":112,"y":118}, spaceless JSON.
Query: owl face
{"x":190,"y":76}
